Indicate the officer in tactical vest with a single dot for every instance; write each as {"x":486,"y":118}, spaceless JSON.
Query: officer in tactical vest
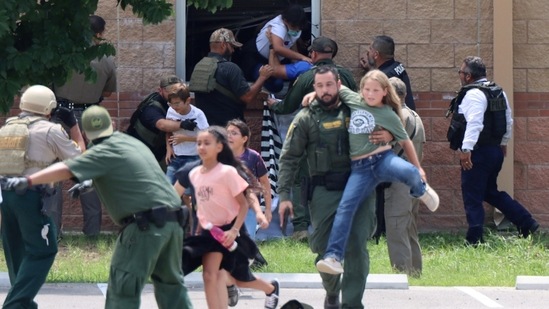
{"x":149,"y":124}
{"x":320,"y":133}
{"x":322,"y":51}
{"x":138,"y":196}
{"x":229,"y":99}
{"x":480,"y":129}
{"x":28,"y":234}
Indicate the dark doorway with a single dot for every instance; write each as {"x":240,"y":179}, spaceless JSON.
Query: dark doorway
{"x":245,"y":18}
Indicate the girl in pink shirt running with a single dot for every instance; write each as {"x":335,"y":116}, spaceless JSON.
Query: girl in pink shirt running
{"x":221,"y":183}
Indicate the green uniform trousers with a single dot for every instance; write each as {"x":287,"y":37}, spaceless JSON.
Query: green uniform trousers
{"x":28,"y":256}
{"x":302,"y":218}
{"x":356,"y":264}
{"x":138,"y":255}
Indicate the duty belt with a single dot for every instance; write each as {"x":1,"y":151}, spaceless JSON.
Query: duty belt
{"x":71,"y":105}
{"x":158,"y":216}
{"x":318,"y":180}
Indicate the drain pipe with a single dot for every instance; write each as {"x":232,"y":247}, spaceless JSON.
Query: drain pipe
{"x":315,"y":19}
{"x":180,"y":37}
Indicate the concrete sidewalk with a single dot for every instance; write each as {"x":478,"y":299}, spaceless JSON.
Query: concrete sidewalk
{"x":383,"y":291}
{"x":91,"y":296}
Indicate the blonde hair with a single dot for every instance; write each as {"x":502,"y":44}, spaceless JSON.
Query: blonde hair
{"x":391,"y":98}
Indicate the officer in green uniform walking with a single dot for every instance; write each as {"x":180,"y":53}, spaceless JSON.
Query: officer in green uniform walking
{"x":138,"y":196}
{"x":323,"y":49}
{"x":320,"y":133}
{"x":29,"y":235}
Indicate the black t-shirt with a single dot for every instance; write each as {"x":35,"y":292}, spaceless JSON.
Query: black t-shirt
{"x":217,"y":107}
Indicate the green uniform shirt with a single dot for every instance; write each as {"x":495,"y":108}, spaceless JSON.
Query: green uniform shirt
{"x":322,"y":136}
{"x":304,"y":85}
{"x":365,"y":119}
{"x":126,"y":176}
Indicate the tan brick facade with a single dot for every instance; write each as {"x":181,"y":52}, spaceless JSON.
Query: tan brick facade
{"x":432,"y":36}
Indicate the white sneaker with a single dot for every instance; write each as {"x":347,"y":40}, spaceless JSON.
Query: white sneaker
{"x":329,"y":266}
{"x":430,"y":198}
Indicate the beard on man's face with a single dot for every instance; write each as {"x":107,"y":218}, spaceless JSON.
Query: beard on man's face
{"x":227,"y":55}
{"x":327,"y":99}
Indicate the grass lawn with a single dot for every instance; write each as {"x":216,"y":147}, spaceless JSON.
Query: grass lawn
{"x":446,"y":261}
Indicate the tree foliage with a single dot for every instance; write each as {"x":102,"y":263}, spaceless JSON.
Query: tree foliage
{"x":43,"y":42}
{"x":210,"y":5}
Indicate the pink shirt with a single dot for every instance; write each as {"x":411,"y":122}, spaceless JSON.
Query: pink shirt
{"x":215,"y":192}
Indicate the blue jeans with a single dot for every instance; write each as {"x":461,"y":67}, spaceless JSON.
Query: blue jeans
{"x":251,"y":223}
{"x":176,"y":163}
{"x":480,"y":184}
{"x":366,"y":174}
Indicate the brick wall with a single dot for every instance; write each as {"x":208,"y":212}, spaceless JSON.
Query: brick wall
{"x":433,"y":36}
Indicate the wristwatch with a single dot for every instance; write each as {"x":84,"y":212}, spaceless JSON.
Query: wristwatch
{"x":465,"y":150}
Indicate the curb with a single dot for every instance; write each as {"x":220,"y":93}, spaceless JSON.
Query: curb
{"x":532,"y":283}
{"x":295,"y":281}
{"x":313,"y":281}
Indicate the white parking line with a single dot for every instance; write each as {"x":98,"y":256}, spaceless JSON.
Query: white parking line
{"x":485,"y":300}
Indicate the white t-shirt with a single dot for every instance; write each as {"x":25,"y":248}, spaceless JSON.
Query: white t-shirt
{"x":188,"y":148}
{"x":279,"y":29}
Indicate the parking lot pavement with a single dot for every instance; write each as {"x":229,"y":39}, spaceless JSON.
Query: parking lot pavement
{"x":88,"y":296}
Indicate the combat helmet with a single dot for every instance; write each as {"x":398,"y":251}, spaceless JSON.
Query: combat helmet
{"x":38,"y":99}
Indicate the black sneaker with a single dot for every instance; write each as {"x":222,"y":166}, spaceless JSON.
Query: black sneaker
{"x":233,"y":292}
{"x":524,"y":232}
{"x":331,"y":302}
{"x":271,"y":301}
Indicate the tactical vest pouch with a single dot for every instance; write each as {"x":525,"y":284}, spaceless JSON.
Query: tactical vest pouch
{"x":203,"y":76}
{"x":336,"y":181}
{"x":323,"y":162}
{"x":14,"y":142}
{"x":456,"y":131}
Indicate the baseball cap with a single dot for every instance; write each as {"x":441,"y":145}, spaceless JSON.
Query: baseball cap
{"x":96,"y":122}
{"x":324,"y":45}
{"x":224,"y":35}
{"x":169,"y":80}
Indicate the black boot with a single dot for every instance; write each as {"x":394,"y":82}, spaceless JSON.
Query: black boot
{"x":531,"y":229}
{"x":474,"y":236}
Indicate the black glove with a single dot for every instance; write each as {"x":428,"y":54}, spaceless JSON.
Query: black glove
{"x":65,"y":115}
{"x":188,"y":124}
{"x":15,"y":183}
{"x":80,"y":188}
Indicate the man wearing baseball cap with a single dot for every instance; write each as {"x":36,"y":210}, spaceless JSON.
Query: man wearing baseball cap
{"x":138,"y":197}
{"x":229,"y":98}
{"x":291,"y":71}
{"x":149,"y":124}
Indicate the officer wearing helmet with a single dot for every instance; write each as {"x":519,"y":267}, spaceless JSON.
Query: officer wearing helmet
{"x":28,"y":234}
{"x":138,"y":196}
